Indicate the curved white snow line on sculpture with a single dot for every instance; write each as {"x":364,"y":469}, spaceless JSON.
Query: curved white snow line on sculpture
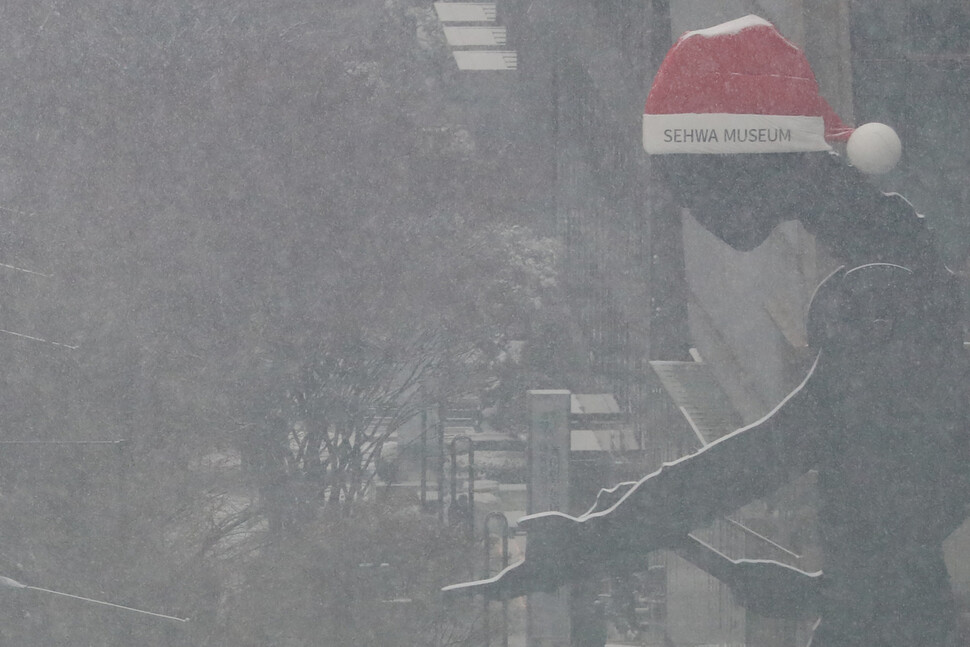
{"x":717,"y":442}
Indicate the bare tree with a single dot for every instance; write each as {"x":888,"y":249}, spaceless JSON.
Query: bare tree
{"x":349,"y":401}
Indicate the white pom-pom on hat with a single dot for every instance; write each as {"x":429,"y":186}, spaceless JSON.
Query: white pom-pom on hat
{"x":874,"y":148}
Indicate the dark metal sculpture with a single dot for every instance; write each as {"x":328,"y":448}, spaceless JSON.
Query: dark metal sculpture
{"x":881,"y":415}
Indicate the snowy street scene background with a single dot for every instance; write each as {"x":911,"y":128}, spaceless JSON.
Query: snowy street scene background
{"x":290,"y":289}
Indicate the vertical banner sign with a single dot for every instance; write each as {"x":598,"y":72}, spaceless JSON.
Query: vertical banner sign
{"x":548,"y":613}
{"x":548,"y":451}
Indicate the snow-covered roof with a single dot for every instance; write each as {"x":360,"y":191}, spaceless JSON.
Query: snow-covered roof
{"x":603,"y":440}
{"x":593,"y":404}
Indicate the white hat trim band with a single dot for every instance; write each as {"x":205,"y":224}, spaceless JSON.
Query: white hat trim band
{"x":726,"y":133}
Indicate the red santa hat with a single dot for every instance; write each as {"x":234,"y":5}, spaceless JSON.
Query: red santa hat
{"x":739,"y":87}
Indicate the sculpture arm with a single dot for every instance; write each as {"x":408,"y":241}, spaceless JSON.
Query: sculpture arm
{"x":659,"y":510}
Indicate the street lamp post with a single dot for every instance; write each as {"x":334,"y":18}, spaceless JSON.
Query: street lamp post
{"x":471,"y":479}
{"x":440,"y":428}
{"x":504,"y":534}
{"x":424,"y":459}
